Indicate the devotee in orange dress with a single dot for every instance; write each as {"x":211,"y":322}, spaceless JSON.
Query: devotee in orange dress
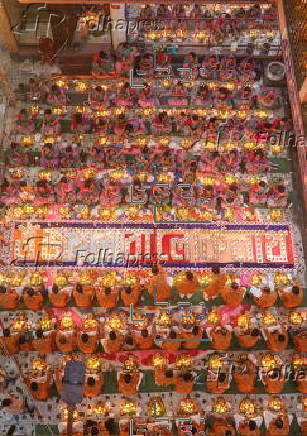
{"x":221,"y":427}
{"x":10,"y":342}
{"x":216,"y":287}
{"x":9,"y":299}
{"x":291,"y":298}
{"x":40,"y":391}
{"x":188,"y":285}
{"x":57,"y":297}
{"x":130,"y":295}
{"x":218,"y":383}
{"x":273,"y":381}
{"x":158,"y":285}
{"x":128,"y":383}
{"x":43,"y":344}
{"x":164,"y":377}
{"x":300,"y":342}
{"x":303,"y":427}
{"x":59,"y":374}
{"x":83,"y":297}
{"x":87,"y":343}
{"x":65,"y":343}
{"x":249,"y":428}
{"x":277,"y":340}
{"x":267,"y":298}
{"x":93,"y":386}
{"x":245,"y":377}
{"x":106,"y":297}
{"x":144,"y":340}
{"x":33,"y":300}
{"x":25,"y":343}
{"x":191,"y":338}
{"x":279,"y":426}
{"x":183,"y":383}
{"x":173,"y":344}
{"x":221,"y":339}
{"x":248,"y":338}
{"x":233,"y":295}
{"x":114,"y":343}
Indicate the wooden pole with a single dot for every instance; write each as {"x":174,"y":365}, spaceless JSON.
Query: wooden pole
{"x":70,"y":408}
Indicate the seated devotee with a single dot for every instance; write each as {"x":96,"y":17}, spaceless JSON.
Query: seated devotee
{"x":249,"y":427}
{"x":106,"y":297}
{"x":171,"y":343}
{"x":32,"y":300}
{"x":65,"y":341}
{"x":158,"y":285}
{"x":40,"y":390}
{"x":274,"y":381}
{"x":83,"y":296}
{"x":266,"y":297}
{"x":25,"y":342}
{"x":114,"y":342}
{"x":128,"y":383}
{"x":14,"y":405}
{"x":43,"y":343}
{"x":87,"y":342}
{"x":248,"y":338}
{"x":279,"y":426}
{"x":220,"y":338}
{"x":129,"y":342}
{"x":164,"y":376}
{"x":9,"y":299}
{"x":245,"y":374}
{"x":10,"y":342}
{"x":192,"y":338}
{"x":58,"y":297}
{"x":300,"y":342}
{"x":233,"y":295}
{"x":218,"y":382}
{"x":276,"y":340}
{"x":291,"y":296}
{"x":188,"y":285}
{"x":144,"y":339}
{"x":220,"y":427}
{"x":93,"y":384}
{"x":179,"y":95}
{"x":183,"y":383}
{"x":130,"y":295}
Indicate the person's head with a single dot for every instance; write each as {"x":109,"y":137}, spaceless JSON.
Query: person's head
{"x":84,"y":337}
{"x":103,"y":55}
{"x":221,"y":377}
{"x":55,"y":289}
{"x":281,"y":189}
{"x":189,"y":275}
{"x":187,"y":377}
{"x":127,"y":378}
{"x":169,"y":373}
{"x":107,"y":290}
{"x":234,"y":285}
{"x":172,"y":334}
{"x":22,"y":340}
{"x":39,"y":334}
{"x":255,"y":332}
{"x":2,"y":289}
{"x":112,"y":335}
{"x":34,"y":386}
{"x":266,"y":290}
{"x":128,"y":290}
{"x":155,"y":269}
{"x":90,"y":381}
{"x":274,"y":374}
{"x":227,"y":433}
{"x":62,"y":340}
{"x":31,"y":292}
{"x":279,"y":423}
{"x":281,"y":338}
{"x":94,"y":431}
{"x":295,"y":290}
{"x":216,"y":270}
{"x":6,"y":402}
{"x":223,"y":332}
{"x":144,"y":333}
{"x":6,"y":333}
{"x":79,"y":288}
{"x":252,"y":425}
{"x":129,"y":340}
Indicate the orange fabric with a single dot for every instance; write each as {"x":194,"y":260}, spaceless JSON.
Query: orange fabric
{"x":107,"y":301}
{"x":44,"y":345}
{"x":95,"y":390}
{"x":58,"y":381}
{"x":290,"y":300}
{"x":219,"y":341}
{"x":9,"y":300}
{"x":144,"y":343}
{"x":245,"y":431}
{"x":68,"y":346}
{"x":60,"y":299}
{"x":273,"y":342}
{"x":272,"y":386}
{"x":219,"y":428}
{"x":183,"y":387}
{"x":83,"y":299}
{"x":245,"y":382}
{"x":217,"y":286}
{"x":300,"y":342}
{"x":216,"y":387}
{"x":132,"y":298}
{"x":130,"y":388}
{"x":33,"y":303}
{"x":191,"y":344}
{"x":247,"y":341}
{"x":304,"y":428}
{"x":88,"y":347}
{"x":161,"y":379}
{"x":232,"y":297}
{"x":273,"y":430}
{"x":112,"y":347}
{"x":171,"y":345}
{"x":43,"y":392}
{"x":185,"y":427}
{"x":11,"y":343}
{"x":187,"y":286}
{"x":301,"y":385}
{"x":163,"y":290}
{"x":266,"y":300}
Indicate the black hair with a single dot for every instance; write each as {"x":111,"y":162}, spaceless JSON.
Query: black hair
{"x":189,"y":275}
{"x":187,"y":376}
{"x":34,"y":386}
{"x":221,"y":377}
{"x":112,"y":335}
{"x":127,"y":378}
{"x":281,"y":338}
{"x":145,"y":333}
{"x":79,"y":288}
{"x":6,"y":333}
{"x":107,"y":290}
{"x":252,"y":425}
{"x":90,"y":381}
{"x":55,"y":288}
{"x":6,"y":402}
{"x":295,"y":290}
{"x":84,"y":337}
{"x":39,"y":334}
